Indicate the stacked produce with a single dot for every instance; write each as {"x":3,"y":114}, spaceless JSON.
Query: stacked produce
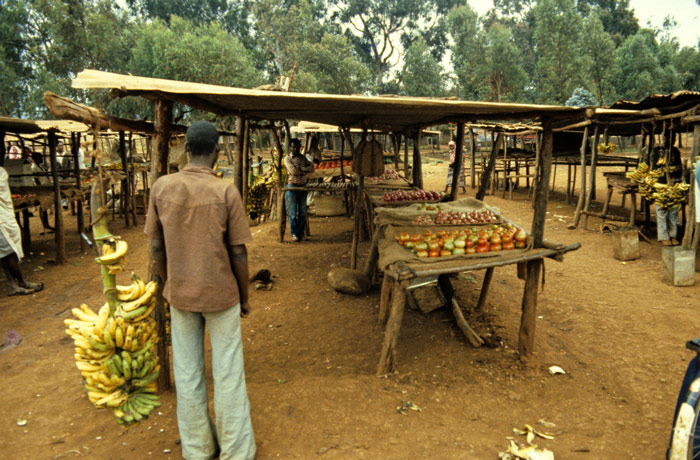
{"x":411,"y":195}
{"x":467,"y":241}
{"x":662,"y":195}
{"x":670,"y":196}
{"x":607,"y":148}
{"x":115,"y":347}
{"x":389,"y":174}
{"x":333,"y":164}
{"x":258,"y":194}
{"x":457,"y":218}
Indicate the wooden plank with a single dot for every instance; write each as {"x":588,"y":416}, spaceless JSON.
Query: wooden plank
{"x":458,"y":167}
{"x":526,"y":334}
{"x":60,"y":235}
{"x":387,"y":357}
{"x":486,"y":174}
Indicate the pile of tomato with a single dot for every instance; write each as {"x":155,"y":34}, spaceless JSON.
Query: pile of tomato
{"x":493,"y":238}
{"x":333,"y":164}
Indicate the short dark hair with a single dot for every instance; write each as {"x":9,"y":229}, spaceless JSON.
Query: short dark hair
{"x":202,"y":138}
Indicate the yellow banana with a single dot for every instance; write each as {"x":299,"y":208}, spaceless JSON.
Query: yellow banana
{"x":119,"y":337}
{"x":150,"y":289}
{"x":81,"y":315}
{"x":113,"y":258}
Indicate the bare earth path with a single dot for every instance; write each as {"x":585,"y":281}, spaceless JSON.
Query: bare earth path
{"x":311,"y":353}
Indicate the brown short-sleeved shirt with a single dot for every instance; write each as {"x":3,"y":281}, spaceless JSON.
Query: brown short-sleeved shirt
{"x":198,"y":215}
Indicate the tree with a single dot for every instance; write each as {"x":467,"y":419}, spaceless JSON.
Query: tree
{"x":378,"y":27}
{"x":616,"y":16}
{"x":506,"y":76}
{"x":599,"y":49}
{"x":645,"y":67}
{"x":467,"y":51}
{"x":580,"y":98}
{"x":421,"y":74}
{"x":13,"y":48}
{"x":687,"y":63}
{"x":558,"y":46}
{"x":331,"y":66}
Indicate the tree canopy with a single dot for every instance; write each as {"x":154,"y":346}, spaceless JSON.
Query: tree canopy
{"x":540,"y":51}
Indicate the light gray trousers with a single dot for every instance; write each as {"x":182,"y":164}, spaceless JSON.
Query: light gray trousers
{"x":233,"y":430}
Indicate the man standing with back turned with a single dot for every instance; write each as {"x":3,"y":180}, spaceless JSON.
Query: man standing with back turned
{"x":198,"y":231}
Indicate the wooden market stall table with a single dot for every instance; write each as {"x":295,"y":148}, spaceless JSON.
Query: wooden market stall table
{"x":348,"y":189}
{"x":401,"y":267}
{"x":27,"y":198}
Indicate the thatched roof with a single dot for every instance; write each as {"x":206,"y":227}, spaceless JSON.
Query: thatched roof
{"x":378,"y":112}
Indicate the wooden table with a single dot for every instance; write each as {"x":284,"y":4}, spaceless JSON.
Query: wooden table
{"x":398,"y":276}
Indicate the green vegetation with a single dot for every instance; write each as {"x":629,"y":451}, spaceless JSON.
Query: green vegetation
{"x":541,"y":51}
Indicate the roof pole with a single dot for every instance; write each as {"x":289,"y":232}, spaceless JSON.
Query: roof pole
{"x":417,"y":162}
{"x":582,"y":193}
{"x":486,"y":177}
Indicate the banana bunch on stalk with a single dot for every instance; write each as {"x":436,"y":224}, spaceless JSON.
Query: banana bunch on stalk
{"x":115,"y":347}
{"x":645,"y":178}
{"x":670,"y":196}
{"x":257,"y":196}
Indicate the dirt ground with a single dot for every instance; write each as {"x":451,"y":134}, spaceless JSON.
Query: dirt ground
{"x":311,"y":355}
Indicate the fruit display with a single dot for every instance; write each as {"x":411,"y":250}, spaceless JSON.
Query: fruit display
{"x":607,"y":148}
{"x":493,"y":238}
{"x":670,"y":196}
{"x":333,"y":164}
{"x":411,"y":195}
{"x":258,"y":194}
{"x":389,"y":174}
{"x":115,"y":347}
{"x":456,"y":218}
{"x":662,"y":195}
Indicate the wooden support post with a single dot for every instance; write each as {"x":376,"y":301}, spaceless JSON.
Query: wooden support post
{"x":281,"y":208}
{"x":488,"y":172}
{"x":371,"y":264}
{"x":582,"y":194}
{"x":357,"y":215}
{"x":472,"y":148}
{"x":245,"y":155}
{"x":541,"y":184}
{"x":238,"y":154}
{"x":458,"y":167}
{"x":417,"y":161}
{"x":591,"y":177}
{"x":387,"y":357}
{"x":342,"y":153}
{"x":60,"y":235}
{"x":75,"y":148}
{"x":2,"y":148}
{"x":526,"y":334}
{"x":385,"y":299}
{"x":160,"y":152}
{"x":488,"y":275}
{"x":26,"y":232}
{"x":125,"y":182}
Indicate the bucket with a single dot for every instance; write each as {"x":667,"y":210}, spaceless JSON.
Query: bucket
{"x":626,"y":243}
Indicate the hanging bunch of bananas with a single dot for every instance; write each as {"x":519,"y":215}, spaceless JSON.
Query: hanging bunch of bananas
{"x":258,"y":194}
{"x":115,"y":347}
{"x":670,"y":196}
{"x":610,"y":147}
{"x":168,"y":335}
{"x":645,"y":178}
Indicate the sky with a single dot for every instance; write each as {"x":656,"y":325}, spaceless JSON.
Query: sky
{"x":685,"y":12}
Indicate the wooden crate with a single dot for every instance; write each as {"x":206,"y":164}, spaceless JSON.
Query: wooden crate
{"x":329,"y":205}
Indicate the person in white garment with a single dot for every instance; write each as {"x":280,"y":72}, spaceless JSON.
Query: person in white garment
{"x":11,"y":243}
